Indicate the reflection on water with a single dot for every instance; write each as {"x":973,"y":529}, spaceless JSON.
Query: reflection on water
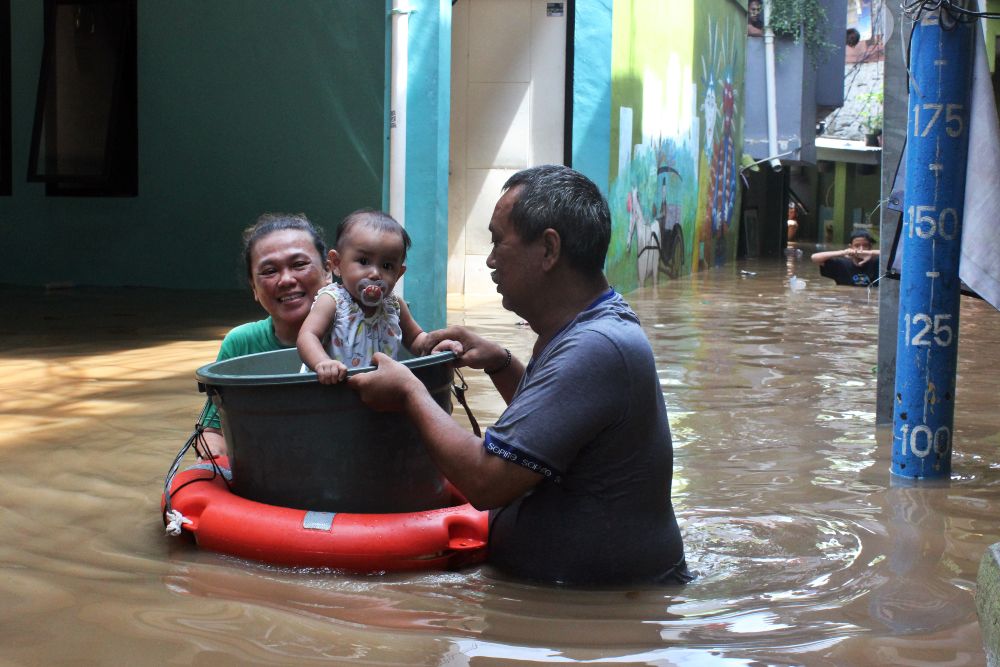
{"x":807,"y":552}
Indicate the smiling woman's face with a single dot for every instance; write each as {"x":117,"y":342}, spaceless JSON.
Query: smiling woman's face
{"x":286,"y":272}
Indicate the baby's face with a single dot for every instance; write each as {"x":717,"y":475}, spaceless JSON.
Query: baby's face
{"x":370,"y":262}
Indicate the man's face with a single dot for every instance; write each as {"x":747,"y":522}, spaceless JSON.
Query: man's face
{"x":516,"y":265}
{"x":858,"y":245}
{"x":861,"y":243}
{"x":754,"y":9}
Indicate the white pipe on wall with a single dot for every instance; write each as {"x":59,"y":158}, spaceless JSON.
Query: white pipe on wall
{"x":772,"y":98}
{"x":397,"y":115}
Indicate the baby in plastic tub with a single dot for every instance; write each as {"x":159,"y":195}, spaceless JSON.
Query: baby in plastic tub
{"x":351,"y":321}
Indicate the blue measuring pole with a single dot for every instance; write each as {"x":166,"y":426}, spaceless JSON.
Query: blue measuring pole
{"x":927,"y":341}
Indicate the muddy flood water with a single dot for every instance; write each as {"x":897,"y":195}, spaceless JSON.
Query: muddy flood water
{"x":806,"y":552}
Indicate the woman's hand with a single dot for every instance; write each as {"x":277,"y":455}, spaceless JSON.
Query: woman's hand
{"x":386,"y":388}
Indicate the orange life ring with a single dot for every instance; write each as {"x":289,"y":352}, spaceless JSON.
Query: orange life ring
{"x":221,"y":521}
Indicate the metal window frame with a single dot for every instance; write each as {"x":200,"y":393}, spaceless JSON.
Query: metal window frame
{"x":118,"y":175}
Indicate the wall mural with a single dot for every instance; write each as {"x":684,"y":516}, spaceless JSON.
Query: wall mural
{"x":725,"y":42}
{"x":676,"y":123}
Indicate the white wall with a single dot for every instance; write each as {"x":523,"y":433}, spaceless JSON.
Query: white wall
{"x":507,"y":113}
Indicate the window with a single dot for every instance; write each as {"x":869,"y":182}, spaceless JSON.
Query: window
{"x":5,"y":141}
{"x":85,"y":136}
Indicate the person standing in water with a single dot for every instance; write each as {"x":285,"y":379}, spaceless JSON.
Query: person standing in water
{"x":352,"y":320}
{"x":577,"y":470}
{"x":856,"y":265}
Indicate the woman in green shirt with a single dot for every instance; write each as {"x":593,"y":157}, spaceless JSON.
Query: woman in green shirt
{"x":285,"y":258}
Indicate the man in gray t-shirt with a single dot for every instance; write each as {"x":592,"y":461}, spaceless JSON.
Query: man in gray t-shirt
{"x":577,"y":470}
{"x":589,"y":415}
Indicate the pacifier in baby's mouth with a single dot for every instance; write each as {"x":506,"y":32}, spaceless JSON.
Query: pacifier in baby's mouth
{"x":371,"y":292}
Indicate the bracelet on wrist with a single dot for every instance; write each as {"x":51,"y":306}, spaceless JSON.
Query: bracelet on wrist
{"x":505,"y":364}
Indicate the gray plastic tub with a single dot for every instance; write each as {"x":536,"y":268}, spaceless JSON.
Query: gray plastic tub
{"x":297,"y":443}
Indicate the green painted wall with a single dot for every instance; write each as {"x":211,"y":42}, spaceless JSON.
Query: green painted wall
{"x":851,"y":194}
{"x":245,"y":106}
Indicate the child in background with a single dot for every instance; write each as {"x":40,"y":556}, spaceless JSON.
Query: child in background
{"x":351,"y":321}
{"x":856,"y":265}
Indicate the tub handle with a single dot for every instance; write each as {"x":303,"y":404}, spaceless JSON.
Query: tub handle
{"x":209,"y":389}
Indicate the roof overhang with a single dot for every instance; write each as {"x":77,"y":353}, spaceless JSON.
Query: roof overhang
{"x":843,"y":150}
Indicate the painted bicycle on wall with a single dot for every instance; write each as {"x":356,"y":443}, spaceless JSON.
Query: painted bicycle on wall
{"x":659,"y":238}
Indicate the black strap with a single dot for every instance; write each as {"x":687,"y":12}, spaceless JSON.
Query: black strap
{"x":460,"y":395}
